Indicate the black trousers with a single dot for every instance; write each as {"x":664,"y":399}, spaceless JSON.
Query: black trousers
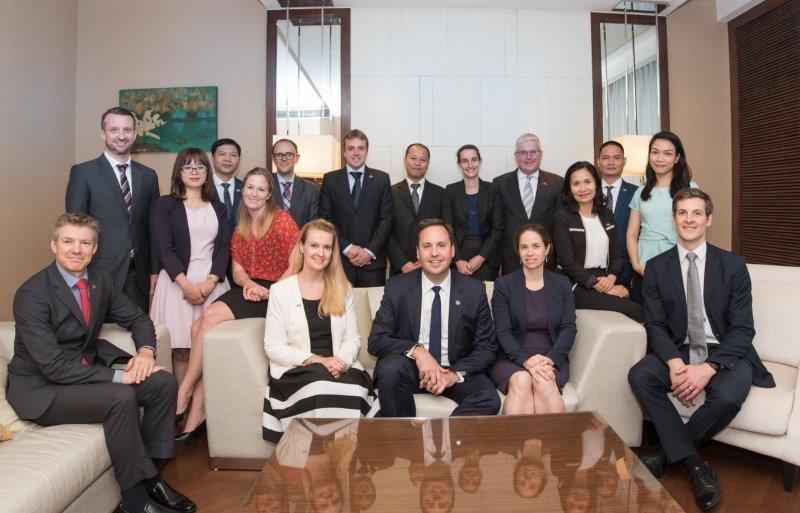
{"x":725,"y":394}
{"x":360,"y":277}
{"x":131,"y":289}
{"x":131,"y":446}
{"x":397,"y":378}
{"x":593,"y":300}
{"x":636,"y":288}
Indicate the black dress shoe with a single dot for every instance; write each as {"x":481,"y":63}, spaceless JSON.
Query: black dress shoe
{"x":705,"y":486}
{"x":151,"y":507}
{"x":655,"y":462}
{"x":164,"y":494}
{"x":191,"y":436}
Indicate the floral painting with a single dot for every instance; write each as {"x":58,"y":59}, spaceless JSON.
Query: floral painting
{"x":172,"y":118}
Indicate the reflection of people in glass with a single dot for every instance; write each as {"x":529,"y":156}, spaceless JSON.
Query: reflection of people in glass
{"x":530,"y":475}
{"x":268,"y":495}
{"x":372,"y":453}
{"x":437,"y":494}
{"x":576,"y":496}
{"x":362,"y":493}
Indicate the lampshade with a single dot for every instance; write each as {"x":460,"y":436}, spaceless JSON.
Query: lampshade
{"x":318,"y":154}
{"x":635,"y":153}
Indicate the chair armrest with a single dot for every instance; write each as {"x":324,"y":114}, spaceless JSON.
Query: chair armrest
{"x":607,"y":345}
{"x":121,"y":338}
{"x":792,"y":454}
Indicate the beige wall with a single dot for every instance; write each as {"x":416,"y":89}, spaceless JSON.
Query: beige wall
{"x":37,"y":131}
{"x":699,"y":96}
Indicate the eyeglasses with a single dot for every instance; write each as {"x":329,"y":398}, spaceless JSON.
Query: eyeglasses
{"x":527,"y":154}
{"x":195,"y":170}
{"x":289,"y":155}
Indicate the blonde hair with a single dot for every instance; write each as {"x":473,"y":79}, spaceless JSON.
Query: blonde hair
{"x":245,"y":224}
{"x":337,"y":287}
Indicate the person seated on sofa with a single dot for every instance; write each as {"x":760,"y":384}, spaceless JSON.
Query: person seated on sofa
{"x":61,"y":372}
{"x":534,"y":315}
{"x":261,"y":247}
{"x":434,"y":333}
{"x":701,"y":340}
{"x":587,"y":244}
{"x":311,"y":339}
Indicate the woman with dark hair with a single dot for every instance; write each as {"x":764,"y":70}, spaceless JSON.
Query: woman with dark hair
{"x":650,"y":229}
{"x":587,"y":245}
{"x":469,"y":208}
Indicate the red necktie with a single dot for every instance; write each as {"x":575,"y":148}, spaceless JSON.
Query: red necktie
{"x":86,"y":306}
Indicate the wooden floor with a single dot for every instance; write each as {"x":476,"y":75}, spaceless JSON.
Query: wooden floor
{"x":751,"y":483}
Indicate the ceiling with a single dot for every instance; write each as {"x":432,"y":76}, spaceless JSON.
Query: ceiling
{"x":555,"y":5}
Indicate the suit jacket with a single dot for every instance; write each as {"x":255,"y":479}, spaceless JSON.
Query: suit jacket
{"x":569,"y":239}
{"x":366,"y":224}
{"x":237,"y":199}
{"x":93,"y":188}
{"x":508,"y":306}
{"x":622,"y":213}
{"x":490,"y":219}
{"x":728,"y":303}
{"x":51,"y":337}
{"x":509,"y":201}
{"x":402,"y":246}
{"x":305,"y":200}
{"x":172,"y":240}
{"x":286,"y":339}
{"x":471,"y":345}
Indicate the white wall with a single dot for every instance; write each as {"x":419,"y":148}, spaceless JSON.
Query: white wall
{"x":451,"y":76}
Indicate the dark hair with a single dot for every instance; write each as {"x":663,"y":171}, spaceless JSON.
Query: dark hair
{"x":611,"y":143}
{"x":468,"y":147}
{"x":681,"y":173}
{"x":535,"y":228}
{"x":77,"y":219}
{"x":185,"y":156}
{"x":222,"y":142}
{"x":689,"y":193}
{"x":435,"y":221}
{"x":285,"y":140}
{"x":566,"y":191}
{"x":408,"y":148}
{"x":119,"y":111}
{"x":355,"y":133}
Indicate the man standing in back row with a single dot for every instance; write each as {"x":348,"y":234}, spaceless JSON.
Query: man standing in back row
{"x":225,"y":157}
{"x":295,"y":195}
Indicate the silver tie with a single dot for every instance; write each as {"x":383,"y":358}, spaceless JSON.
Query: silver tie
{"x":527,"y":196}
{"x":698,"y":350}
{"x":415,"y":197}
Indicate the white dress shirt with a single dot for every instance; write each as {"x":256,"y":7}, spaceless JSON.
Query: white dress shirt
{"x":523,"y":180}
{"x":700,"y":261}
{"x":421,"y":187}
{"x":430,"y":445}
{"x":616,"y":186}
{"x":128,"y":172}
{"x":221,"y":190}
{"x":425,"y":314}
{"x":596,"y":243}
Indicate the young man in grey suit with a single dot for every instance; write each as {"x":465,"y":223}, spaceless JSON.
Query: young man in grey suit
{"x":296,"y":195}
{"x":118,"y":193}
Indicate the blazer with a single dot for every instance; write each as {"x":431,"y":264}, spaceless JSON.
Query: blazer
{"x":51,"y":338}
{"x":471,"y":346}
{"x":305,"y":199}
{"x":93,"y":188}
{"x":508,"y":306}
{"x":172,"y":240}
{"x":728,"y":303}
{"x":402,"y":246}
{"x":569,"y":239}
{"x":490,"y":219}
{"x":509,"y":202}
{"x":237,"y":199}
{"x":622,"y":213}
{"x":286,"y":339}
{"x":368,"y":223}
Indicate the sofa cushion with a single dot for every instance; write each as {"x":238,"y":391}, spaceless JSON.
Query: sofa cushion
{"x":8,"y":416}
{"x":775,"y":307}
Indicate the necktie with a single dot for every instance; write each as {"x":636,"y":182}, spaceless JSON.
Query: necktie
{"x":527,"y":195}
{"x":356,"y":192}
{"x":415,"y":197}
{"x":86,"y":306}
{"x":226,"y":199}
{"x":125,"y":186}
{"x":698,"y":350}
{"x":435,"y":337}
{"x":287,"y":195}
{"x":609,"y":198}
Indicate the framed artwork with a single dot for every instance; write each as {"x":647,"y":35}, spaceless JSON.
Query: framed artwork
{"x":172,"y":118}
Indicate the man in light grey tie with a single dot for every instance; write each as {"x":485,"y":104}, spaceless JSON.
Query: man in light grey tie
{"x":699,"y":319}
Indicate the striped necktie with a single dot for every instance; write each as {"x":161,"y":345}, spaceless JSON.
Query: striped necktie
{"x":226,"y":200}
{"x":527,"y":195}
{"x":125,"y":185}
{"x":609,"y":198}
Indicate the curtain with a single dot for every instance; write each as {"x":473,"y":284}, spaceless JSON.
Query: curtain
{"x":615,"y":122}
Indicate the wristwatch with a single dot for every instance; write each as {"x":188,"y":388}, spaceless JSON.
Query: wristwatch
{"x":716,"y":366}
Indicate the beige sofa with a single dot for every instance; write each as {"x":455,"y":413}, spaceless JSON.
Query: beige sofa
{"x":59,"y":468}
{"x":235,"y":377}
{"x":769,"y":422}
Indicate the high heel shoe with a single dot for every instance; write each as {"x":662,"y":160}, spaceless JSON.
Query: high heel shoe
{"x":191,"y":436}
{"x":182,"y":415}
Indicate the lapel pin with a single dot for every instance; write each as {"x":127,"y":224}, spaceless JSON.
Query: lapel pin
{"x":458,"y":302}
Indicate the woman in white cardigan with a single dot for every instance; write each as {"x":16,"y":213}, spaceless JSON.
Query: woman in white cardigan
{"x":312,"y":341}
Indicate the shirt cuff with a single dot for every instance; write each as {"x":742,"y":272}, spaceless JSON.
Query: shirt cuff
{"x":410,"y":352}
{"x":117,"y":376}
{"x":347,"y":249}
{"x":461,"y":376}
{"x":370,"y":253}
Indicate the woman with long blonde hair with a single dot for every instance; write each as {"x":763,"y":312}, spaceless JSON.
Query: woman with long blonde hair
{"x":312,"y":341}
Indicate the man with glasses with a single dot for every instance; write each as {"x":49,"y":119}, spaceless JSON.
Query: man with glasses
{"x":118,"y":193}
{"x":526,"y":195}
{"x":295,"y":195}
{"x":225,"y":157}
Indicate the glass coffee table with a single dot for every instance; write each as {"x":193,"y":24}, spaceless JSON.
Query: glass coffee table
{"x":569,"y":462}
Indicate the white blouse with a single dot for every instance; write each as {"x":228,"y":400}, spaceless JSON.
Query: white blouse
{"x":596,"y":243}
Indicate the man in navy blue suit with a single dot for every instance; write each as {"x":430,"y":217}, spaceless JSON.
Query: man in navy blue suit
{"x":225,"y":157}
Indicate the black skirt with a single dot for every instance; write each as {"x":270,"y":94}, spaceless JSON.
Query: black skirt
{"x":242,"y":308}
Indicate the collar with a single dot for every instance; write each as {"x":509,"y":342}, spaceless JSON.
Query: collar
{"x":282,"y":180}
{"x":362,"y":169}
{"x":421,"y":183}
{"x":218,"y":181}
{"x":428,"y":284}
{"x":70,"y":278}
{"x":617,"y":185}
{"x":700,"y":251}
{"x":522,"y":176}
{"x":114,"y":162}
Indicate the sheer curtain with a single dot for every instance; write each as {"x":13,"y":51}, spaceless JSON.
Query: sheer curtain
{"x":646,"y":104}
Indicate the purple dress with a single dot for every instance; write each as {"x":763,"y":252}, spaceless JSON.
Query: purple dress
{"x":537,"y":341}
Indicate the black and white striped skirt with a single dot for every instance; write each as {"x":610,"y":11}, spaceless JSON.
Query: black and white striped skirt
{"x":311,"y":391}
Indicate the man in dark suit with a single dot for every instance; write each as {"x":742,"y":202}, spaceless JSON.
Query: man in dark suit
{"x":357,"y":200}
{"x":118,"y":193}
{"x":433,"y":333}
{"x":618,"y":194}
{"x":225,"y":157}
{"x":297,"y":196}
{"x":61,"y":373}
{"x":526,"y":195}
{"x":699,"y":319}
{"x":414,"y":199}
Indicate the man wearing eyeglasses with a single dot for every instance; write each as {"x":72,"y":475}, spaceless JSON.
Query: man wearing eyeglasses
{"x":526,"y":195}
{"x":296,"y":195}
{"x":225,"y":157}
{"x":118,"y":192}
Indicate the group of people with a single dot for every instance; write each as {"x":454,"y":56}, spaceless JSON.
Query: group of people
{"x":272,"y":245}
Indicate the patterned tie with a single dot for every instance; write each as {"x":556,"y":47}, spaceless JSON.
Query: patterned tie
{"x":86,"y":306}
{"x":609,"y":198}
{"x":435,"y":337}
{"x":527,"y":195}
{"x":226,"y":199}
{"x":415,"y":197}
{"x":287,"y":194}
{"x":698,"y":350}
{"x":356,"y":192}
{"x":125,"y":186}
